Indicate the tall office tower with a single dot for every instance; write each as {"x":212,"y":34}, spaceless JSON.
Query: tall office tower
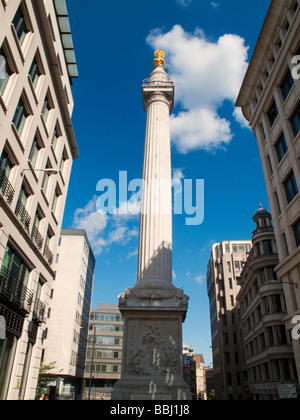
{"x":223,"y":273}
{"x":265,"y":343}
{"x":104,"y":351}
{"x":270,"y":101}
{"x":37,"y":148}
{"x":65,"y":337}
{"x":154,"y":308}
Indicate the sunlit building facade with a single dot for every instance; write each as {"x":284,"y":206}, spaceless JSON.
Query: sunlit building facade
{"x":104,"y":351}
{"x":37,"y":148}
{"x":223,"y":274}
{"x":270,"y":101}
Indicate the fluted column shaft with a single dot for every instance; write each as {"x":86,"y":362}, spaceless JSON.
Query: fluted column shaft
{"x":155,"y":240}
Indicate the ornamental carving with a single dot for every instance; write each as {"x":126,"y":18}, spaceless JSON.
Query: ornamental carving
{"x":154,"y":356}
{"x":176,"y":296}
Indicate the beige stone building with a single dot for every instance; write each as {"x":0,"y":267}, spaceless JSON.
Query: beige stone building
{"x":270,"y":101}
{"x":200,"y":377}
{"x":65,"y":337}
{"x":37,"y":148}
{"x":223,"y":274}
{"x":266,"y":346}
{"x":104,"y":351}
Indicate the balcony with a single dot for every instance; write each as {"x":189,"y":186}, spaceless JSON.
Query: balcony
{"x":6,"y":189}
{"x":14,"y":291}
{"x":38,"y":311}
{"x":37,"y":238}
{"x":23,"y":216}
{"x":48,"y":255}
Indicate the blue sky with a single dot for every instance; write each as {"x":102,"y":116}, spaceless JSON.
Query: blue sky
{"x":207,"y":46}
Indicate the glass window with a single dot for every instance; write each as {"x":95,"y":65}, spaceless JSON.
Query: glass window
{"x":7,"y":72}
{"x":297,"y":233}
{"x":57,"y":194}
{"x":272,"y":113}
{"x":13,"y":263}
{"x":268,"y":247}
{"x":20,"y":116}
{"x":34,"y":152}
{"x":5,"y":164}
{"x":258,"y":251}
{"x":20,"y":25}
{"x":46,"y":108}
{"x":290,"y":186}
{"x":55,"y":138}
{"x":35,"y":72}
{"x":287,"y":84}
{"x":281,"y":147}
{"x":295,"y":121}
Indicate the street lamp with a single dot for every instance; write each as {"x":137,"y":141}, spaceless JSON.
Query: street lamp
{"x":92,"y":364}
{"x":49,"y":171}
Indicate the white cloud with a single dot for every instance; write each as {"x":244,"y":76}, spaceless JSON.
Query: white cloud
{"x":132,"y":254}
{"x":239,"y":117}
{"x":215,"y":5}
{"x":206,"y":74}
{"x":93,"y":222}
{"x":177,"y":176}
{"x":184,"y":3}
{"x":104,"y":230}
{"x":200,"y":279}
{"x":199,"y":128}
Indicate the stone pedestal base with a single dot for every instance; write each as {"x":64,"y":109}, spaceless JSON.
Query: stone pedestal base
{"x":152,"y":350}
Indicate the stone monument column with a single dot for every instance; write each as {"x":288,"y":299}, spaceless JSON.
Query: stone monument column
{"x":154,"y":308}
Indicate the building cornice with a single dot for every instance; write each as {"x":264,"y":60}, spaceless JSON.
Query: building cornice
{"x":262,"y":48}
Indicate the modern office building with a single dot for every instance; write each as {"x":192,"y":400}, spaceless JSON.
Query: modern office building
{"x":266,"y":346}
{"x":223,"y":274}
{"x":37,"y":148}
{"x":104,"y":352}
{"x":270,"y":101}
{"x":65,"y":337}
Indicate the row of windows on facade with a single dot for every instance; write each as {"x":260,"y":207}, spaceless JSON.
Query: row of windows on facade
{"x":105,"y":341}
{"x":106,"y":327}
{"x":281,"y":148}
{"x":275,"y":335}
{"x":275,"y":53}
{"x":271,"y":304}
{"x":23,"y":110}
{"x":266,"y":247}
{"x":24,"y":199}
{"x":275,"y":370}
{"x":21,"y":28}
{"x":103,"y":368}
{"x":266,"y":274}
{"x":20,"y":116}
{"x":271,"y":371}
{"x":104,"y":354}
{"x":233,"y":248}
{"x":106,"y":317}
